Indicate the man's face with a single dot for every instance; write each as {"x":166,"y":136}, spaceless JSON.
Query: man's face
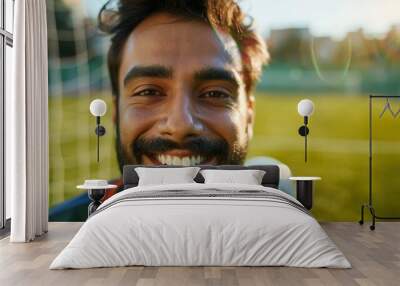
{"x":182,"y":98}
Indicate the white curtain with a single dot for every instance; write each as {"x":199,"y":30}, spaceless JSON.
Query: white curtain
{"x":26,"y":124}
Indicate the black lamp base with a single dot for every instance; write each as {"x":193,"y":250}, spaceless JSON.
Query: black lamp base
{"x":304,"y":193}
{"x":95,"y":195}
{"x":303,"y":130}
{"x":100,"y":130}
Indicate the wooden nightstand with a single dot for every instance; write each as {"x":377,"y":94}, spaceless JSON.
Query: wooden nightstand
{"x":304,"y":190}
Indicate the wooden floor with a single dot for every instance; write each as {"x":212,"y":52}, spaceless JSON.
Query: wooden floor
{"x":375,"y":257}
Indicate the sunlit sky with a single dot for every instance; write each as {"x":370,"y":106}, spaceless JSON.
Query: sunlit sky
{"x":324,"y":17}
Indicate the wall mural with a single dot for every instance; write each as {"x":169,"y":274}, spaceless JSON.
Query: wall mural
{"x":163,"y":92}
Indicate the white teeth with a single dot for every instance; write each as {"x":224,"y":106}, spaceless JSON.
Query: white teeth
{"x":176,"y":161}
{"x":183,"y":161}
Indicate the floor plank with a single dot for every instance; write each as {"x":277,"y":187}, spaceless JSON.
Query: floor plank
{"x":375,"y":257}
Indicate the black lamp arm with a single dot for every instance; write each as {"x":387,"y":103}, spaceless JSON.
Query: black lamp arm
{"x":303,"y":131}
{"x":100,"y":131}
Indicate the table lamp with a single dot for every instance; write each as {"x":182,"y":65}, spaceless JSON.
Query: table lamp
{"x":98,"y":108}
{"x":305,"y":108}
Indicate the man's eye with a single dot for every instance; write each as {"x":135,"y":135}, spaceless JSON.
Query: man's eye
{"x":215,"y":94}
{"x":148,"y":92}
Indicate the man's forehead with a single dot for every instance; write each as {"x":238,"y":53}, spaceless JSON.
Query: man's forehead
{"x":164,"y":39}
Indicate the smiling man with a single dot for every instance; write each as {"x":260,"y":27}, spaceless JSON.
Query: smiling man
{"x":182,"y":75}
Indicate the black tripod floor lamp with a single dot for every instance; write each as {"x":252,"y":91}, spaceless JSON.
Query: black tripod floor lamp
{"x":369,"y":205}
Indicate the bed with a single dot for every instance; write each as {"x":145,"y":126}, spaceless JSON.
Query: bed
{"x":201,"y":224}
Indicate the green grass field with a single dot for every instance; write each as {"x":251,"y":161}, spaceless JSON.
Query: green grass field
{"x":338,"y":149}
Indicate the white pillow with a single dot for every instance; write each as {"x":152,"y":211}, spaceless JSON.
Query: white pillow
{"x":248,"y":177}
{"x":162,"y":176}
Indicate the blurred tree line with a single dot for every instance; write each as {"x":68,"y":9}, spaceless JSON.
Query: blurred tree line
{"x":296,"y":46}
{"x":299,"y":60}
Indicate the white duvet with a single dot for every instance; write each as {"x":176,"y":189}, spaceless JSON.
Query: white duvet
{"x":188,"y":231}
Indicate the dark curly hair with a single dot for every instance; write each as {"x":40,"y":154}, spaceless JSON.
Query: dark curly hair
{"x":222,"y":14}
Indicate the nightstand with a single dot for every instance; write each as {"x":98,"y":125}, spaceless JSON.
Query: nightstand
{"x":304,"y":190}
{"x":96,"y":190}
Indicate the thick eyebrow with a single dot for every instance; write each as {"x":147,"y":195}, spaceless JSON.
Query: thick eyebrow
{"x":212,"y":73}
{"x":147,"y":71}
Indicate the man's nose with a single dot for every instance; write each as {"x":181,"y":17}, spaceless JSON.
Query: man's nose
{"x":180,"y":121}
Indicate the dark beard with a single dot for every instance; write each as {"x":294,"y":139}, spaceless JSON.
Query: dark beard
{"x":205,"y":147}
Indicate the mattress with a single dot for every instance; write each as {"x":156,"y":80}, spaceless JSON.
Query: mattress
{"x":201,"y":225}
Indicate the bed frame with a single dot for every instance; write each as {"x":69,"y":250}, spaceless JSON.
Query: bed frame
{"x":270,"y":179}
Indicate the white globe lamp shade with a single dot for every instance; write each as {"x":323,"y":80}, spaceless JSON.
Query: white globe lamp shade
{"x":98,"y":107}
{"x":305,"y":107}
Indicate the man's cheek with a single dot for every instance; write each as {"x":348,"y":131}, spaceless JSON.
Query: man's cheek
{"x":133,"y":123}
{"x":239,"y":126}
{"x":136,"y":120}
{"x":227,"y":124}
{"x":237,"y":132}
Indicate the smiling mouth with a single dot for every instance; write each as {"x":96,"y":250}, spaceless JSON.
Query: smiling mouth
{"x":180,"y":158}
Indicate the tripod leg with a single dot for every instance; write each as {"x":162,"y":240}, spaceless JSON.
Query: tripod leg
{"x":361,"y":222}
{"x":372,"y":227}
